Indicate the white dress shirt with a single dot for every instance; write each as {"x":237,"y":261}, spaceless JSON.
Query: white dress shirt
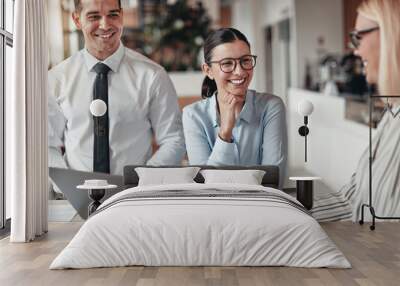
{"x":141,"y":101}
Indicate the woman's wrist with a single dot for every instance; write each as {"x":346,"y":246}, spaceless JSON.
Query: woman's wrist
{"x":225,"y":136}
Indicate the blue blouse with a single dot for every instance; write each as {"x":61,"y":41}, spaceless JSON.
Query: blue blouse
{"x":259,"y":135}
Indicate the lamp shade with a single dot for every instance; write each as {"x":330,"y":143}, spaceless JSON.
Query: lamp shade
{"x":305,"y":107}
{"x":98,"y":107}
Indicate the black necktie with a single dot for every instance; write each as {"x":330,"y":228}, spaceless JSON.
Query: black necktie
{"x":101,"y":150}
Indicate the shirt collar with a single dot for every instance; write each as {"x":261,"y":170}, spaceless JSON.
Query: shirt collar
{"x":113,"y":61}
{"x":246,"y":113}
{"x":213,"y":110}
{"x":248,"y":108}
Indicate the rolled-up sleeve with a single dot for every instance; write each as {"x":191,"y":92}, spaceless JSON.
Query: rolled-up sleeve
{"x":166,"y":122}
{"x":224,"y":153}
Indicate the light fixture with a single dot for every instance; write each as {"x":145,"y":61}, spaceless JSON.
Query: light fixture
{"x":305,"y":108}
{"x":98,"y":108}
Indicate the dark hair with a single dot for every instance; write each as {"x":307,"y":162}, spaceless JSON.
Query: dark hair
{"x":78,"y":5}
{"x":214,"y":39}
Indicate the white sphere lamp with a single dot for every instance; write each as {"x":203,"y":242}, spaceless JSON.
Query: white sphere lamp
{"x":98,"y":108}
{"x":305,"y":107}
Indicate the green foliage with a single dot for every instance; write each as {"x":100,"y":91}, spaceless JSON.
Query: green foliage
{"x":175,"y":38}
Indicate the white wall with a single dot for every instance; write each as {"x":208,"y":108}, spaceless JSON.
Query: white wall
{"x":252,"y":17}
{"x":268,"y":13}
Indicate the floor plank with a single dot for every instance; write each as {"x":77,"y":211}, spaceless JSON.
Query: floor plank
{"x":374,"y":255}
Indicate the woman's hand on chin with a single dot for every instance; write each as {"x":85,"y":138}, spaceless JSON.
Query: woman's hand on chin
{"x":228,"y":105}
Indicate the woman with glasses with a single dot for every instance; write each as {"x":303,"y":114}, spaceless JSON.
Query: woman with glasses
{"x":376,"y":39}
{"x":234,"y":125}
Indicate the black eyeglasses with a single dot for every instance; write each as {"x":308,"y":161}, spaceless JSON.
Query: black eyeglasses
{"x":356,"y":36}
{"x":228,"y":65}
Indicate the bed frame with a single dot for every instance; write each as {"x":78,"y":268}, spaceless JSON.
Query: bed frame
{"x":270,"y":179}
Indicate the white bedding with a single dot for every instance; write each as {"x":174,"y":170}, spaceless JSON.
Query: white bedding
{"x":182,"y":231}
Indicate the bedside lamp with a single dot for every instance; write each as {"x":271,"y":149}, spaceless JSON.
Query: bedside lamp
{"x":305,"y":108}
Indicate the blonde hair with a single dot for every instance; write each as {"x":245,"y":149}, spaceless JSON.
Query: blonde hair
{"x":387,"y":14}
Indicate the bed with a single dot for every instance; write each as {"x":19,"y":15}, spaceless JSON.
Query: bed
{"x":201,"y":224}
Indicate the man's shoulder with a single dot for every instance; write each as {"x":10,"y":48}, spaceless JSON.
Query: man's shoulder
{"x":66,"y":65}
{"x":135,"y":58}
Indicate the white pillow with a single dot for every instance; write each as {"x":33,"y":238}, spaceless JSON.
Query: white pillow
{"x":164,"y":176}
{"x":249,"y":177}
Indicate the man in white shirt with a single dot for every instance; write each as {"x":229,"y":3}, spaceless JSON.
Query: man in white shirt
{"x":141,"y":99}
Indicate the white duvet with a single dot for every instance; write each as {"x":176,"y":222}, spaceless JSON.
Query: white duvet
{"x":183,"y":231}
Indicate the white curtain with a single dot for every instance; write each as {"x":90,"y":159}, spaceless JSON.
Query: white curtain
{"x":26,"y":127}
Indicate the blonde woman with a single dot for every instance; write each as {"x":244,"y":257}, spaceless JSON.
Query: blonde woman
{"x":376,"y":39}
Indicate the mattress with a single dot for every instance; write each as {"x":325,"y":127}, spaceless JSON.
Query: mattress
{"x":201,"y":225}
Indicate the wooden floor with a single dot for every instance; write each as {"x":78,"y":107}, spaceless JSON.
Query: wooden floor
{"x":374,"y":255}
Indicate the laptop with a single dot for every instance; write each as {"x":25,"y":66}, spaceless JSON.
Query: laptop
{"x":66,"y":181}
